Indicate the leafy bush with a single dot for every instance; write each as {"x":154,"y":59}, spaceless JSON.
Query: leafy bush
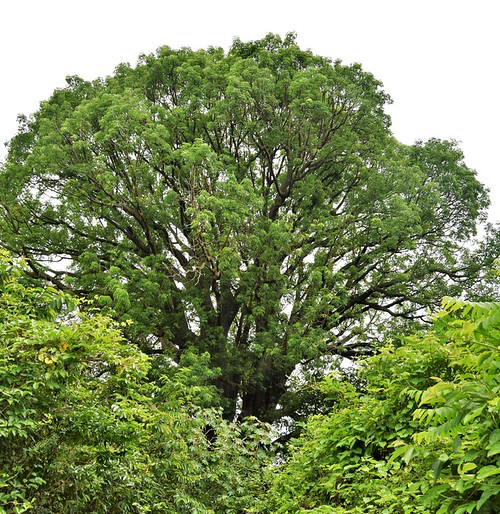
{"x":422,"y":435}
{"x":83,"y":429}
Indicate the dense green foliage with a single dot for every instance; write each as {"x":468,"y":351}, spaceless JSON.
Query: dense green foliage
{"x":86,"y":427}
{"x":421,"y":435}
{"x":250,"y":205}
{"x":83,"y":429}
{"x":194,"y":241}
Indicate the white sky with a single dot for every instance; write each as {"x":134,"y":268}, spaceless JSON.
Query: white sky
{"x":439,"y":60}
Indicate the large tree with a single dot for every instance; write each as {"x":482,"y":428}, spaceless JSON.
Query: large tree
{"x":250,"y":204}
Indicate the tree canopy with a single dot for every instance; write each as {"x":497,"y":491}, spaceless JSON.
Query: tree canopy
{"x":252,"y":205}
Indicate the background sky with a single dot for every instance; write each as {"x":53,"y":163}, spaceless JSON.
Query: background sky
{"x":439,"y":60}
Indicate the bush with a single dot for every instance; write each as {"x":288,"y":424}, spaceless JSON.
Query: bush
{"x":84,"y":429}
{"x":421,"y":435}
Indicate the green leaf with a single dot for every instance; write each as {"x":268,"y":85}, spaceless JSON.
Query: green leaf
{"x":487,"y":471}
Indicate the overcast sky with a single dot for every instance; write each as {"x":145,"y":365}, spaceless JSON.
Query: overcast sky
{"x":439,"y":60}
